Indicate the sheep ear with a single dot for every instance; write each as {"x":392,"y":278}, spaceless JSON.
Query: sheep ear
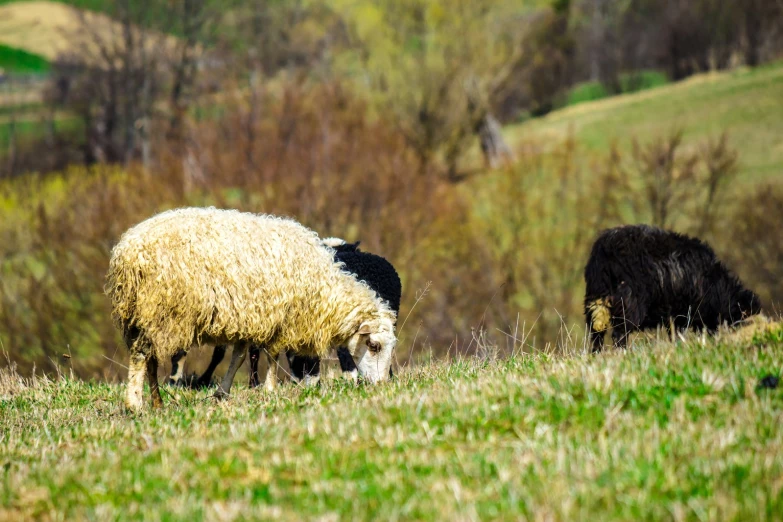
{"x":364,"y":329}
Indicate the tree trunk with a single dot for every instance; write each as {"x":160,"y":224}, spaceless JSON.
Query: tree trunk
{"x":12,"y":146}
{"x":494,"y":147}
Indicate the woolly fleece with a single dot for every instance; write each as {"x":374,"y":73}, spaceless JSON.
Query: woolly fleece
{"x":198,"y":275}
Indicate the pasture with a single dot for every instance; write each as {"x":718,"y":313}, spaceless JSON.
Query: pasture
{"x":53,"y":29}
{"x":744,"y":102}
{"x":662,"y":431}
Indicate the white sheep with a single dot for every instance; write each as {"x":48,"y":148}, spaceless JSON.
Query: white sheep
{"x":194,"y":276}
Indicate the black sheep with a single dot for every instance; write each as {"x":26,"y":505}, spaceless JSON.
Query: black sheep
{"x":640,"y":277}
{"x":376,"y":271}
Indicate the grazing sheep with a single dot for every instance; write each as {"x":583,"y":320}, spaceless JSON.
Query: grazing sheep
{"x":372,"y":269}
{"x":194,"y":275}
{"x":641,"y":277}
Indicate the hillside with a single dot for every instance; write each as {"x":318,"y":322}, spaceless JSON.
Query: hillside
{"x":745,"y":103}
{"x":658,"y":432}
{"x":51,"y":29}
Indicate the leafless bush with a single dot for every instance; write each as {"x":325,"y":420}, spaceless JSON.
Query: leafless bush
{"x":753,"y":243}
{"x":682,"y":188}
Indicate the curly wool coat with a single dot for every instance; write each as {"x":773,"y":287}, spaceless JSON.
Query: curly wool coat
{"x":377,"y":272}
{"x":194,"y":275}
{"x":374,"y":270}
{"x":640,"y":277}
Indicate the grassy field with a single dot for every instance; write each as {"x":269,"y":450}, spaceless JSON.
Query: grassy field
{"x":49,"y":29}
{"x":745,"y":103}
{"x":18,"y":60}
{"x":659,"y":432}
{"x":591,"y":91}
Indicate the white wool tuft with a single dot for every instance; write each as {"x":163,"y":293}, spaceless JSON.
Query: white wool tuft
{"x":333,"y":242}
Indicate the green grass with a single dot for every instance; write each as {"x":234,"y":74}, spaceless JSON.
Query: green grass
{"x":20,"y":61}
{"x":92,"y":5}
{"x":591,"y":91}
{"x":34,"y":129}
{"x":745,"y":103}
{"x":657,"y":432}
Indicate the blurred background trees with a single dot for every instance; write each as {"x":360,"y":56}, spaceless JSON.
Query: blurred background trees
{"x":416,"y":126}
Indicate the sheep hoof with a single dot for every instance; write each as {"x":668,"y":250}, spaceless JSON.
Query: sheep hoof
{"x":201,"y":385}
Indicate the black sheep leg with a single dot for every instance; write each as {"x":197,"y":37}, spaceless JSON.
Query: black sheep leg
{"x":217,"y":356}
{"x":347,"y":364}
{"x":304,"y":368}
{"x":177,"y":368}
{"x":597,"y":340}
{"x":255,"y":355}
{"x":629,"y":318}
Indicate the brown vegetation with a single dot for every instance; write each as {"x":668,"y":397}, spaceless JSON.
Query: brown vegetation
{"x":495,"y":253}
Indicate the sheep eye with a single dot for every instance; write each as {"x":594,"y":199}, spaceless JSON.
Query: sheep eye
{"x":374,"y":346}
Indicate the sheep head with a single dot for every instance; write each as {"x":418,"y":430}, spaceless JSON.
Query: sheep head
{"x":372,"y":347}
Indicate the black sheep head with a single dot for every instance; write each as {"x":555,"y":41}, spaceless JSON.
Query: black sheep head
{"x":746,"y":304}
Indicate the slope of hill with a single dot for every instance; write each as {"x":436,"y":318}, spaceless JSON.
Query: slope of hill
{"x":746,"y":103}
{"x":661,"y":431}
{"x":51,"y":29}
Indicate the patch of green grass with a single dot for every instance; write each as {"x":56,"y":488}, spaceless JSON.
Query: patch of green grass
{"x":34,"y":129}
{"x":655,"y":432}
{"x":20,"y":61}
{"x":591,"y":91}
{"x":92,"y":5}
{"x":745,"y":103}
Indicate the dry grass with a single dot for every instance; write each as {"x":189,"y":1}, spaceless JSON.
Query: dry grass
{"x":660,"y":431}
{"x":52,"y":29}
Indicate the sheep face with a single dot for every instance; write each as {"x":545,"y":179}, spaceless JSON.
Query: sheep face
{"x":372,"y":348}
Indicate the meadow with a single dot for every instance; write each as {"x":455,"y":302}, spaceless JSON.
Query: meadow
{"x":744,"y":102}
{"x":497,"y":410}
{"x":662,"y":431}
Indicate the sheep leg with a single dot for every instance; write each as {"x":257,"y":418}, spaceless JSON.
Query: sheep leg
{"x":152,"y":379}
{"x":304,"y":369}
{"x":296,"y":365}
{"x":633,"y":314}
{"x":597,"y":340}
{"x":137,"y":367}
{"x":237,"y":358}
{"x":271,"y":372}
{"x":140,"y":350}
{"x":312,"y":370}
{"x":255,"y":355}
{"x":177,"y":368}
{"x":217,"y":357}
{"x":347,"y":364}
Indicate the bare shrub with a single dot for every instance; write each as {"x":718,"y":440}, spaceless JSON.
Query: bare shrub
{"x":682,"y":188}
{"x":535,"y":228}
{"x":753,"y":245}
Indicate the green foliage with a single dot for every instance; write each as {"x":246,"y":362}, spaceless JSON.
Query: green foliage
{"x":93,"y":5}
{"x":590,"y":91}
{"x":432,"y":66}
{"x":20,"y":61}
{"x":32,"y":130}
{"x":633,"y":435}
